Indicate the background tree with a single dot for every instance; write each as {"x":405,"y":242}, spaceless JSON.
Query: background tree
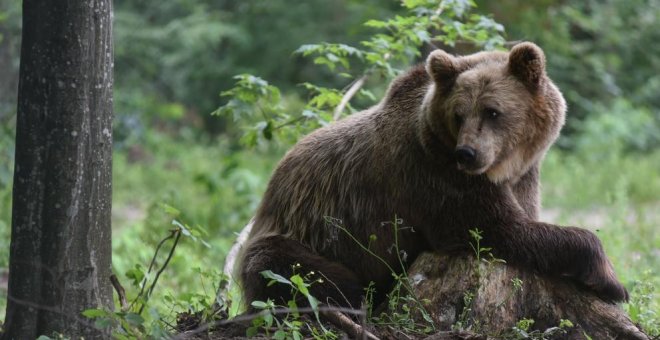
{"x":60,"y":247}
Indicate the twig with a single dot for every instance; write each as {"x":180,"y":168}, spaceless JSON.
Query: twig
{"x":153,"y":261}
{"x":160,"y":271}
{"x":347,"y":325}
{"x":247,"y":318}
{"x":349,"y":95}
{"x":121,"y":293}
{"x":357,"y":85}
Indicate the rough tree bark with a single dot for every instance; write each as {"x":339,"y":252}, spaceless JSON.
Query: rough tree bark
{"x":497,"y":305}
{"x":60,"y":256}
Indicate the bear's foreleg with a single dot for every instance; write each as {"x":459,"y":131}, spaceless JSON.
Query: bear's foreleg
{"x":557,"y":251}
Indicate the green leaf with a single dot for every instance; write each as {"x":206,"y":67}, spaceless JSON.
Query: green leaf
{"x":136,"y":274}
{"x":184,"y":229}
{"x":268,"y":130}
{"x":268,"y":320}
{"x":375,"y":24}
{"x":314,"y":304}
{"x":276,"y":277}
{"x":170,"y":210}
{"x":252,"y":332}
{"x":563,"y":323}
{"x":279,"y":335}
{"x":103,"y":323}
{"x":94,"y":313}
{"x":134,"y":319}
{"x":300,"y":284}
{"x":259,"y":304}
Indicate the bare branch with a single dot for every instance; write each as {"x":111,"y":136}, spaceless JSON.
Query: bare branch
{"x":121,"y":293}
{"x":245,"y":319}
{"x":357,"y":85}
{"x":162,"y":268}
{"x":345,"y":323}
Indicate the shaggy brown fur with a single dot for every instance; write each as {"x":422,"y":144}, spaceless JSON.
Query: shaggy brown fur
{"x":399,"y":158}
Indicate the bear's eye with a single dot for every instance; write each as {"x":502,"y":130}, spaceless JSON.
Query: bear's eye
{"x":492,"y":113}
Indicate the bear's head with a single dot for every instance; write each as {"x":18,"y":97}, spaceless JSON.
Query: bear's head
{"x":499,"y":111}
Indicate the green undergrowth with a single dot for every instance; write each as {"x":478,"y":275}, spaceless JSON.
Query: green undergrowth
{"x":209,"y":187}
{"x":579,"y":181}
{"x":617,"y":195}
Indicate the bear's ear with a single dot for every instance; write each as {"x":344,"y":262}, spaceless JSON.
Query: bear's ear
{"x":527,"y":63}
{"x":443,"y":68}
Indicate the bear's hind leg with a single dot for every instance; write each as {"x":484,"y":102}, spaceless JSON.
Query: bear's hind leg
{"x":338,"y":285}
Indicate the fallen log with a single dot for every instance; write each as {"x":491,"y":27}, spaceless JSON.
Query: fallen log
{"x":500,"y":295}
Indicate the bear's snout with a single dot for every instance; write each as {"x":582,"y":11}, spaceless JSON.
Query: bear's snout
{"x":465,"y":155}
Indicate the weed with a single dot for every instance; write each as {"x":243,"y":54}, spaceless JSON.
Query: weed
{"x":129,"y":322}
{"x":640,"y":308}
{"x":482,"y":255}
{"x":285,"y":322}
{"x":402,"y":304}
{"x":522,"y":331}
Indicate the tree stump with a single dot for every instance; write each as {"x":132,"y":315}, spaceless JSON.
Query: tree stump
{"x":497,"y":304}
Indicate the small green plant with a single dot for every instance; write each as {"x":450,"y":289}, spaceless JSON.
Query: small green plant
{"x":286,"y":322}
{"x":640,"y":308}
{"x":201,"y":303}
{"x":516,"y":287}
{"x":402,"y":309}
{"x":523,"y":330}
{"x":402,"y":304}
{"x":130,"y":322}
{"x":482,"y":255}
{"x":464,"y":321}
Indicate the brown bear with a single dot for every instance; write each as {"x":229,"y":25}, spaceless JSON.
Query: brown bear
{"x":454,"y":145}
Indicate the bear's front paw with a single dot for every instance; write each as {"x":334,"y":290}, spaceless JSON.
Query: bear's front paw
{"x":602,"y":280}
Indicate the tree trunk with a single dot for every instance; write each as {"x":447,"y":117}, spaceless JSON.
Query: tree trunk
{"x":497,"y":306}
{"x":60,"y":256}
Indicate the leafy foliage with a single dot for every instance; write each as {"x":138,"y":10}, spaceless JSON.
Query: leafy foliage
{"x":641,"y":307}
{"x":523,"y":330}
{"x":287,"y":320}
{"x":382,"y":54}
{"x":401,"y":301}
{"x":599,"y":53}
{"x":130,"y":322}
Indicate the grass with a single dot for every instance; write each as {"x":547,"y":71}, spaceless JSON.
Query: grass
{"x":617,"y":195}
{"x":216,"y":191}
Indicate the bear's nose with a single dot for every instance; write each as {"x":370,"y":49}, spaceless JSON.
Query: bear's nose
{"x":465,"y":155}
